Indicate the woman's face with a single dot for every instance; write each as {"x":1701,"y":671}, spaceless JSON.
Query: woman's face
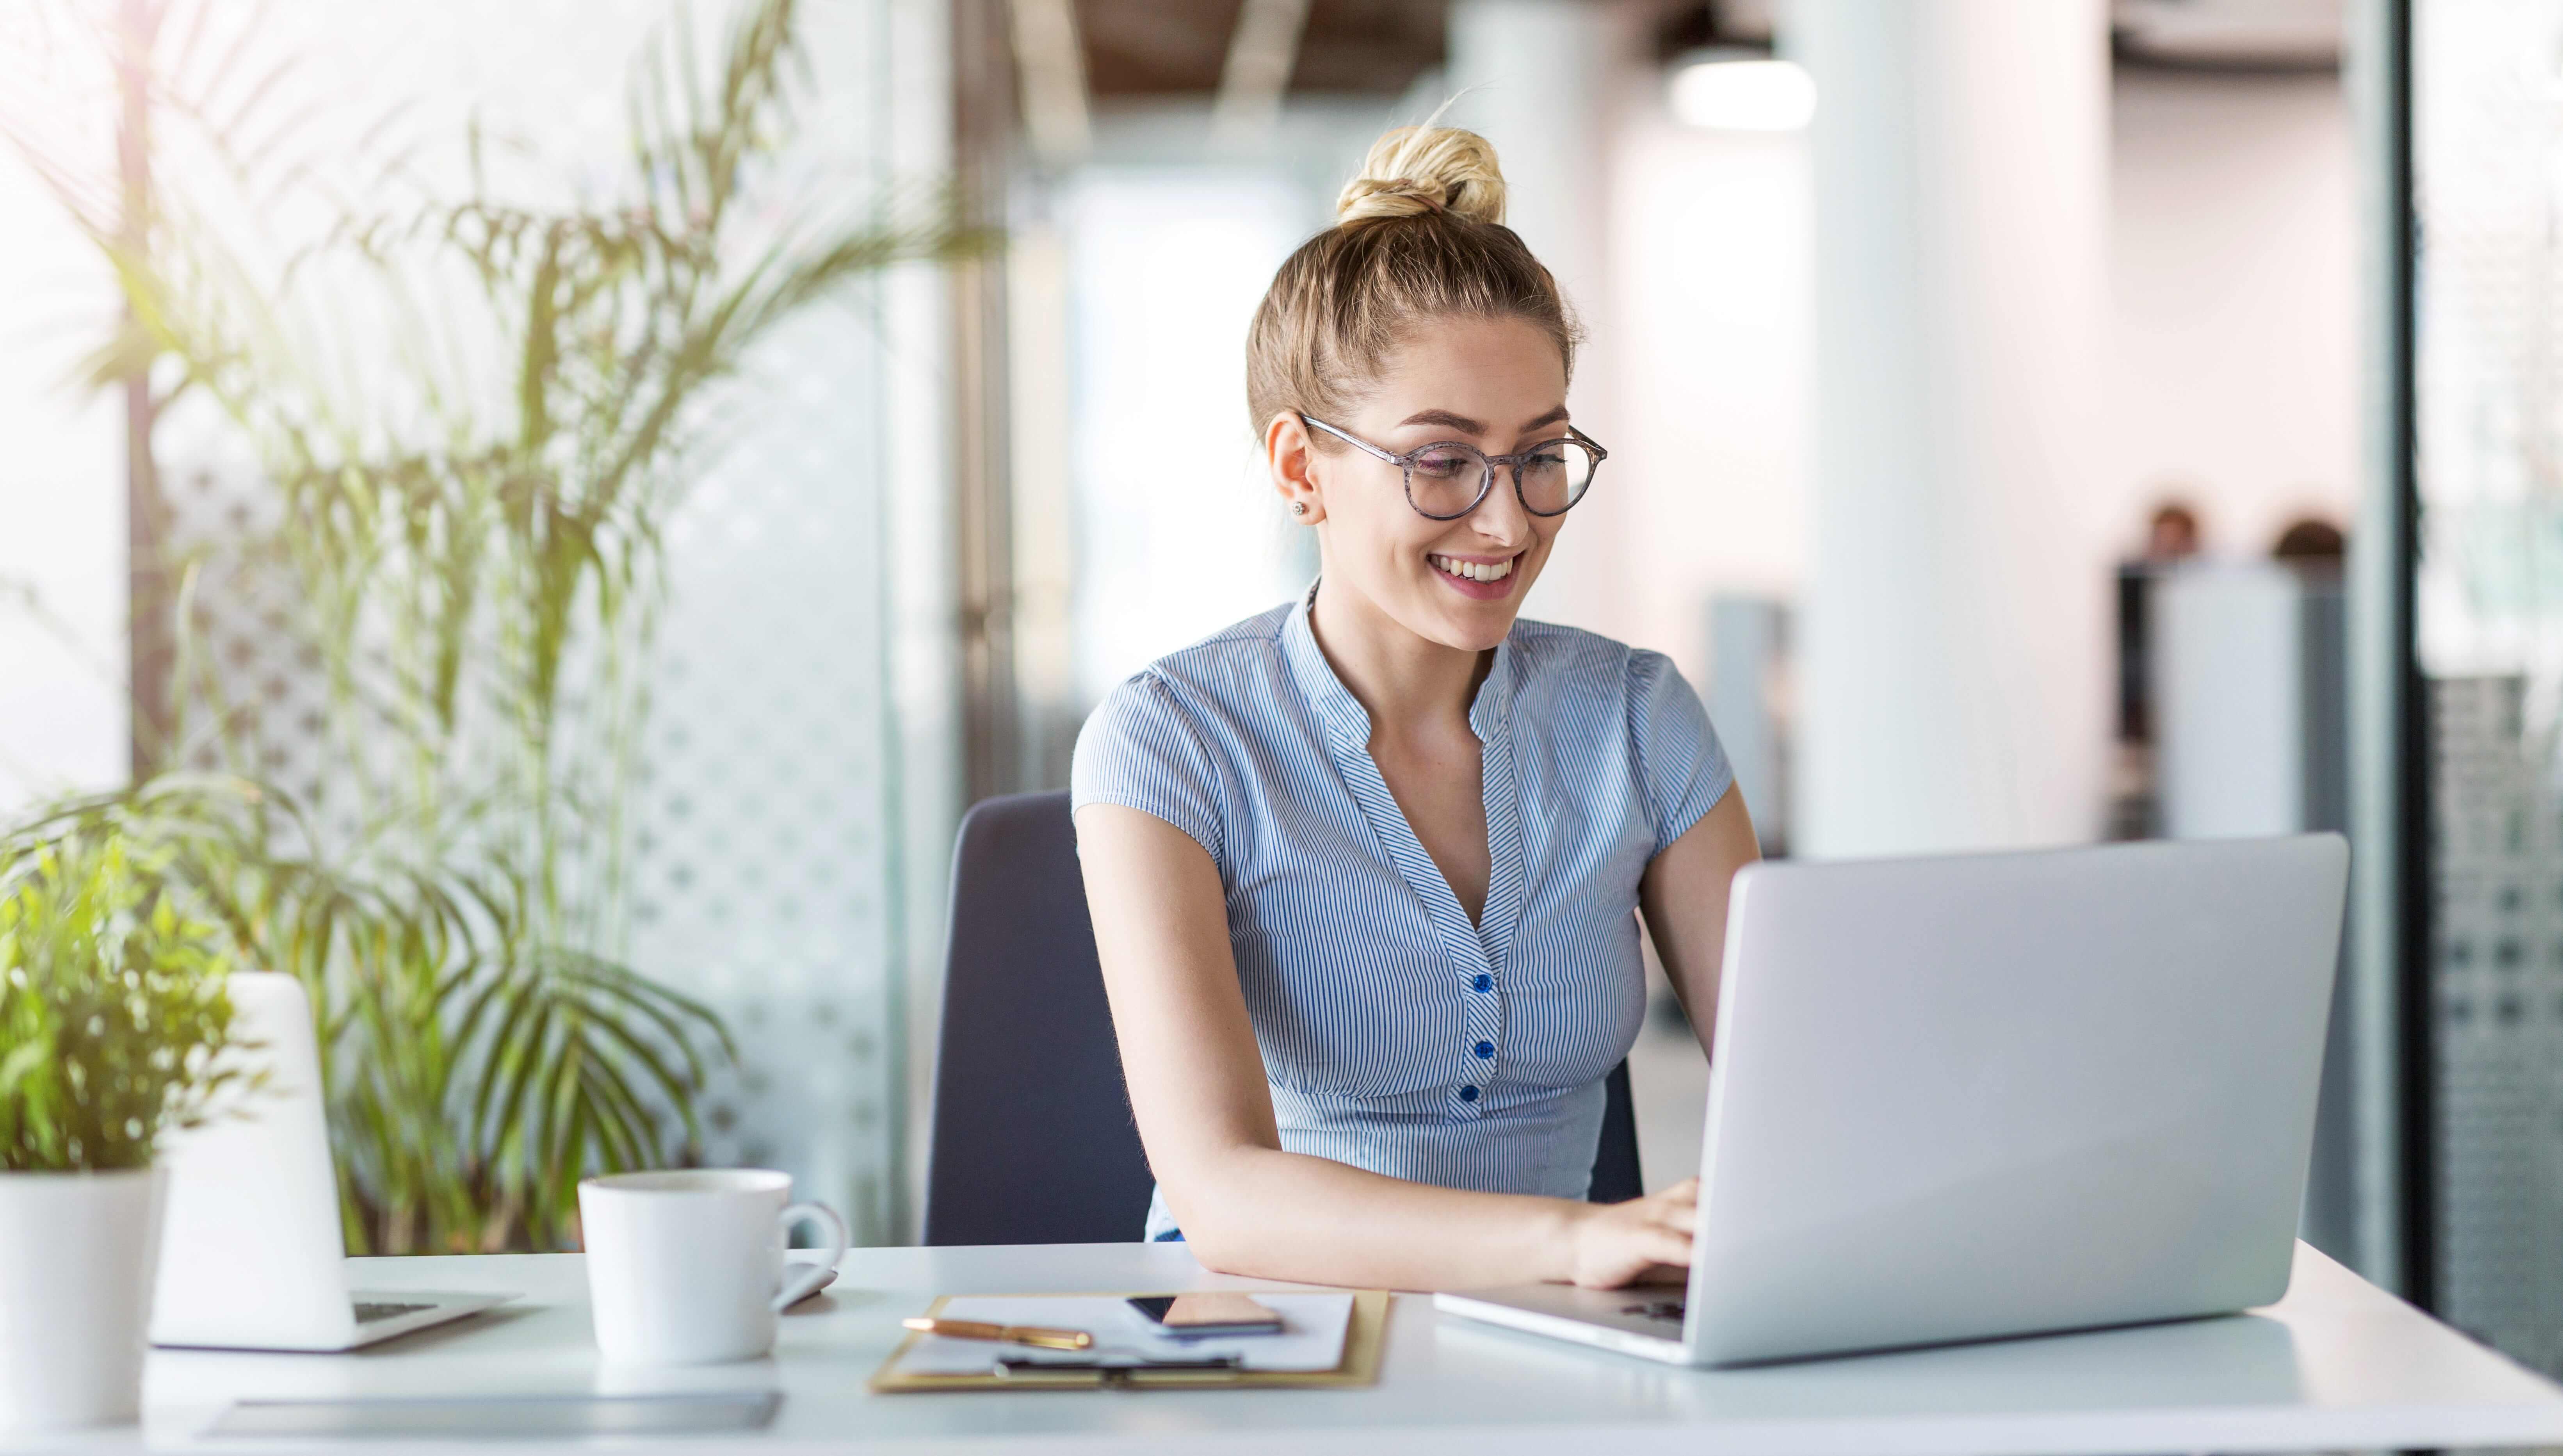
{"x":1497,"y":384}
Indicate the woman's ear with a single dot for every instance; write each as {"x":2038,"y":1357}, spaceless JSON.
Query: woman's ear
{"x":1293,"y":457}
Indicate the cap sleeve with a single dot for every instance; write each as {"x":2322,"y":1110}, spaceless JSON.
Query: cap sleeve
{"x":1139,"y":749}
{"x":1682,"y":768}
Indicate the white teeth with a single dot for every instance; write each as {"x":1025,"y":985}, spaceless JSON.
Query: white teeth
{"x":1474,"y":570}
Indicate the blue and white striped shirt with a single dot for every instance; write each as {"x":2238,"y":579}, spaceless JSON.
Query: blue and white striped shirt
{"x":1397,"y":1036}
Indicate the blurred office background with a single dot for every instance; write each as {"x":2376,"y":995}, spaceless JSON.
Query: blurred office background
{"x":2031,"y":421}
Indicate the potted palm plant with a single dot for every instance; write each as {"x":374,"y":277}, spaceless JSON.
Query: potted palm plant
{"x":113,"y":1021}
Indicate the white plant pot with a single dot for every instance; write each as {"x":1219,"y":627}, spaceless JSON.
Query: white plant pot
{"x":78,"y":1252}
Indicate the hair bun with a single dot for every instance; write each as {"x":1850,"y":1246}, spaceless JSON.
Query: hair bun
{"x":1419,"y":169}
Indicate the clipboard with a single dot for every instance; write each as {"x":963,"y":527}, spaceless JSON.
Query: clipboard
{"x":1364,"y":1339}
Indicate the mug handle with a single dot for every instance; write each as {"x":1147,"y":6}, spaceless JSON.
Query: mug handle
{"x":796,"y":1290}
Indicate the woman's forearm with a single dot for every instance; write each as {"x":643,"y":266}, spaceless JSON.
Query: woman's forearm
{"x":1270,"y":1214}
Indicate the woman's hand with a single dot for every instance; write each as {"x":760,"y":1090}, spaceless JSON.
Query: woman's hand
{"x":1618,"y":1244}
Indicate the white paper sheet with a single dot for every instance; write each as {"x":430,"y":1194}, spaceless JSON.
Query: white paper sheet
{"x":1314,"y":1327}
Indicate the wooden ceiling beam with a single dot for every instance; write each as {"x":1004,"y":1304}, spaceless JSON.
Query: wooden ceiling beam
{"x":1261,"y":57}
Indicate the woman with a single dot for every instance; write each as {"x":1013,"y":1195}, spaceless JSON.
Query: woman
{"x":1362,"y":867}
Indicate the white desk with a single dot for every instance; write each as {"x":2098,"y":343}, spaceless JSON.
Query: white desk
{"x":2336,"y":1364}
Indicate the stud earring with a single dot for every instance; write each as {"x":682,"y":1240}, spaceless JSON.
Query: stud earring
{"x":1299,"y":508}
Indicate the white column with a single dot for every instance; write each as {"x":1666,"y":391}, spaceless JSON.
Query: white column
{"x":1534,"y":77}
{"x":1954,"y":663}
{"x":1529,"y":77}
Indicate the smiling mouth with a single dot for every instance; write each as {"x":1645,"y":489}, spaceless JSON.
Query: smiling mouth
{"x":1473,"y":571}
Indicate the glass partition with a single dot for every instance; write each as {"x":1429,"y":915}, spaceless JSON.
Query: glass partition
{"x":2486,"y":135}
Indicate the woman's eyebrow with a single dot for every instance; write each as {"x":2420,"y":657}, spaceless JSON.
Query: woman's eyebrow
{"x":1446,"y":419}
{"x":1449,"y":420}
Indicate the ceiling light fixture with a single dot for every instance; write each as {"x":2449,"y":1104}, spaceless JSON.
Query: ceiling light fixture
{"x":1726,"y":91}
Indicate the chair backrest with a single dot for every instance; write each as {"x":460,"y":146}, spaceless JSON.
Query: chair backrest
{"x":1032,"y":1141}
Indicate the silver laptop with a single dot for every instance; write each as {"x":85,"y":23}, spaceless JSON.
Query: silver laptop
{"x":252,"y":1256}
{"x":1990,"y":1094}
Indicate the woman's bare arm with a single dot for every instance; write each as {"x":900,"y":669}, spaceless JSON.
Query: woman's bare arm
{"x":1684,"y":897}
{"x":1205,"y":1115}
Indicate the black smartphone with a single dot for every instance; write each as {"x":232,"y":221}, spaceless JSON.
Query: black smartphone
{"x":1200,"y":1316}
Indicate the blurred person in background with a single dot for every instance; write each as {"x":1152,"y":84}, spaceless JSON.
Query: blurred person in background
{"x":1363,"y":867}
{"x":2310,"y":541}
{"x":2172,"y":535}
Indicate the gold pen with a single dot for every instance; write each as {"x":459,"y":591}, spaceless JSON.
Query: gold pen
{"x":1036,"y":1335}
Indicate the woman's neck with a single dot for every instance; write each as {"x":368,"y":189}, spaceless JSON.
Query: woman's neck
{"x":1402,"y":679}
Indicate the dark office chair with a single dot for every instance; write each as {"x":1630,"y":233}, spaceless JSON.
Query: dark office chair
{"x":1032,"y":1141}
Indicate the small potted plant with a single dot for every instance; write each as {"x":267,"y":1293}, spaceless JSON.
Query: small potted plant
{"x":113,"y":1019}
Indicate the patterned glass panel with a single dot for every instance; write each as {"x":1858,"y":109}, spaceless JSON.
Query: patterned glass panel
{"x":2487,"y":131}
{"x":759,"y":846}
{"x":766,"y":821}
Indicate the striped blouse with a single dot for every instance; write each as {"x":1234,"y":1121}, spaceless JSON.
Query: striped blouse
{"x":1398,"y":1036}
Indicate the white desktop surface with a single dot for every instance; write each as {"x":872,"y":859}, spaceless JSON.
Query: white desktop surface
{"x":2336,"y":1364}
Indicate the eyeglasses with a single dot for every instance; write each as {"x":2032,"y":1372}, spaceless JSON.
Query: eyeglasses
{"x":1450,"y":477}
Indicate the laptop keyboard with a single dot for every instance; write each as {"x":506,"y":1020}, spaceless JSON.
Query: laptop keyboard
{"x":1667,"y":1309}
{"x":367,"y":1313}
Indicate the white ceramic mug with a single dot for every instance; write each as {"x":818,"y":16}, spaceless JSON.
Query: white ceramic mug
{"x":686,"y":1268}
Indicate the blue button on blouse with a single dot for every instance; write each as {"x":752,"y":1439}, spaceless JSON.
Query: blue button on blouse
{"x":1377,"y":1003}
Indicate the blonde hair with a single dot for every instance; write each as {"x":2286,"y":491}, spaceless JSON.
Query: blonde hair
{"x":1419,"y":235}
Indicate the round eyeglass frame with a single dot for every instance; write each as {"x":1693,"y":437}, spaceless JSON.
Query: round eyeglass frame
{"x":1406,"y":466}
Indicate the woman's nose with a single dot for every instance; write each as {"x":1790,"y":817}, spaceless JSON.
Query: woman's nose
{"x":1500,"y":517}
